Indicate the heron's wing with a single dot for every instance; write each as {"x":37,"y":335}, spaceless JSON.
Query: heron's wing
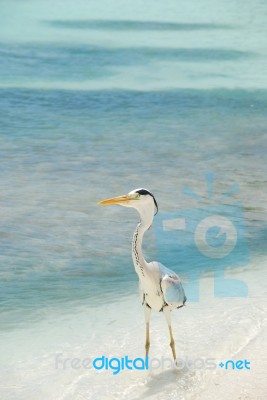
{"x":171,"y":286}
{"x":141,"y":292}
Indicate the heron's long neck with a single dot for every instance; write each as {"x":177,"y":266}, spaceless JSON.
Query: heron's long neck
{"x":138,"y":258}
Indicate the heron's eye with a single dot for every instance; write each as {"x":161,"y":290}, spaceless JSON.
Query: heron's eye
{"x":138,"y":196}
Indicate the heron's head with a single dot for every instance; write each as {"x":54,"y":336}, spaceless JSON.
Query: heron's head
{"x":140,"y":199}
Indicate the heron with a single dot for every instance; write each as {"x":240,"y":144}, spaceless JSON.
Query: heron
{"x":161,"y":289}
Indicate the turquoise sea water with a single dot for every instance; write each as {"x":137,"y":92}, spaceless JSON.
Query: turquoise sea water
{"x":97,"y":99}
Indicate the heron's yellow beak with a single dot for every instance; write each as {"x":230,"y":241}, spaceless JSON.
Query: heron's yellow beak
{"x":119,"y":200}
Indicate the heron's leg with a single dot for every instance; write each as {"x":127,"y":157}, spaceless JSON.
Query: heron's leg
{"x":167,"y":314}
{"x":147,"y":318}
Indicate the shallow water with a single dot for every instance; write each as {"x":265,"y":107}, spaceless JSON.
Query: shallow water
{"x":95,"y":100}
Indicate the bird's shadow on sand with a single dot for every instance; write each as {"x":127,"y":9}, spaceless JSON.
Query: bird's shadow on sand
{"x":157,"y":382}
